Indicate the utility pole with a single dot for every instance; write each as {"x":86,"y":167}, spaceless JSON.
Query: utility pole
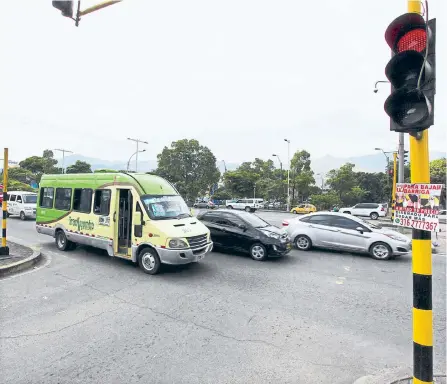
{"x":138,"y":141}
{"x":401,"y":152}
{"x":288,"y":174}
{"x":393,"y":192}
{"x":64,"y":151}
{"x":4,"y":249}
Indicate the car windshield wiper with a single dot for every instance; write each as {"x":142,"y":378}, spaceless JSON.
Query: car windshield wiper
{"x":183,"y":215}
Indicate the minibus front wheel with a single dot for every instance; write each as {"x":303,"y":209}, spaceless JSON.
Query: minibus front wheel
{"x":149,"y":261}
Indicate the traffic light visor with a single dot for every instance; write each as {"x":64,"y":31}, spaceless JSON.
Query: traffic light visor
{"x":407,"y":32}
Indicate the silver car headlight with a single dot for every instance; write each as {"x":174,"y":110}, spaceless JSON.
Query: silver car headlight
{"x":273,"y":235}
{"x":177,"y":243}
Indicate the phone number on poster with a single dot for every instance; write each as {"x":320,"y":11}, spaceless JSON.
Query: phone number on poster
{"x":425,"y":225}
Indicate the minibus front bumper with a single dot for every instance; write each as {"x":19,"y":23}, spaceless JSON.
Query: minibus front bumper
{"x":183,"y":256}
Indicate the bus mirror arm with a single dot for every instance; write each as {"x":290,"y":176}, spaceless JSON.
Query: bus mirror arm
{"x":114,"y":216}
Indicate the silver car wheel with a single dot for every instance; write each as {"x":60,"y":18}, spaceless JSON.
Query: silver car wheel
{"x":302,"y":242}
{"x":380,"y":251}
{"x":148,"y":261}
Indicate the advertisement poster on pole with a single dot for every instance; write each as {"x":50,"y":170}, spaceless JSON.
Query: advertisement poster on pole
{"x":417,"y":206}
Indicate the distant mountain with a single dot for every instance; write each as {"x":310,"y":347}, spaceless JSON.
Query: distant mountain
{"x":368,"y":163}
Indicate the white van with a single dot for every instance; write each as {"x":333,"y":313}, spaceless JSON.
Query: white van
{"x":22,"y":204}
{"x":249,"y":205}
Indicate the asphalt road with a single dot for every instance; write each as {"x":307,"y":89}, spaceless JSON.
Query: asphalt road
{"x":310,"y":317}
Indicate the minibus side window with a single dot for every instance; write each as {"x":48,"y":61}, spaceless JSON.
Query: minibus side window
{"x":101,"y":205}
{"x":63,"y":199}
{"x":46,"y":197}
{"x":82,"y":200}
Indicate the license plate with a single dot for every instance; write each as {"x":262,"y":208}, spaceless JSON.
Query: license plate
{"x":289,"y":246}
{"x":200,"y":257}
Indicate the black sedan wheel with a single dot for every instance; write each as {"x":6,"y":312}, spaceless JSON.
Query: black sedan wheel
{"x":258,"y":252}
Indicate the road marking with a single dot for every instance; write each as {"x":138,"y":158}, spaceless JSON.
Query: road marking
{"x":340,"y":280}
{"x":348,"y":269}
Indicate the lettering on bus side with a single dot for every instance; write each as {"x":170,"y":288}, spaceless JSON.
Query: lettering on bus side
{"x":81,"y":224}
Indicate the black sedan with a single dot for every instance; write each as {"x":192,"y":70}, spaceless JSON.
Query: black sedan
{"x":246,"y":232}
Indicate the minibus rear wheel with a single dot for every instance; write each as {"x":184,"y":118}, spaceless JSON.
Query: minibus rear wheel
{"x":149,"y":261}
{"x":61,"y":241}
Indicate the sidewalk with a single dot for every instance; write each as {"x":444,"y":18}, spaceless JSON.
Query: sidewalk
{"x":20,"y":257}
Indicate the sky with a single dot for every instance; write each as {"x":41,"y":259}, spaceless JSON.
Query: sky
{"x":239,"y":76}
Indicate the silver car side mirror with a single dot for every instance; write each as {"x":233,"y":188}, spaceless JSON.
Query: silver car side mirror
{"x":359,"y":229}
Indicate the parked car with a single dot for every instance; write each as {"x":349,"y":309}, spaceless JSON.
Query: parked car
{"x":304,"y":208}
{"x":246,"y":232}
{"x":373,"y":210}
{"x":248,"y":205}
{"x":339,"y":231}
{"x":22,"y":204}
{"x":205,"y":204}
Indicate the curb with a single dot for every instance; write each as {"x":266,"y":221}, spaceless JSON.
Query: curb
{"x":395,"y":376}
{"x":22,"y":264}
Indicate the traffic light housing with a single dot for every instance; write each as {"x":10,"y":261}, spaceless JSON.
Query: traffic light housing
{"x":411,"y":72}
{"x":66,"y":7}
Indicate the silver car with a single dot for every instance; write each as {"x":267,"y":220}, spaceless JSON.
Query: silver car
{"x":344,"y":232}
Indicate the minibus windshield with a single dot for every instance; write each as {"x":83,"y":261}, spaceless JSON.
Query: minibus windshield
{"x":164,"y":207}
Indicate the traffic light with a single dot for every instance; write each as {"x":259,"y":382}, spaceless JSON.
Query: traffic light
{"x":66,"y":7}
{"x":411,"y":72}
{"x":405,"y":157}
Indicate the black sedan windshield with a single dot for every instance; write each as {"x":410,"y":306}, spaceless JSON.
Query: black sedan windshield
{"x":253,"y":220}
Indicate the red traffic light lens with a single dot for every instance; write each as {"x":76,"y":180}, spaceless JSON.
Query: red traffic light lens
{"x":415,"y":40}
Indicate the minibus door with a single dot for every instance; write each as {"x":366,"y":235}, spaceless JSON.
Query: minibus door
{"x":124,"y":227}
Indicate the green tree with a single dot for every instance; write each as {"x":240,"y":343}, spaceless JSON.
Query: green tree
{"x":79,"y":167}
{"x":301,"y":176}
{"x":38,"y":165}
{"x":374,"y":185}
{"x":105,"y":171}
{"x":325,"y":201}
{"x":222,"y":194}
{"x":438,"y":176}
{"x":21,"y":175}
{"x":191,"y":167}
{"x":343,"y":181}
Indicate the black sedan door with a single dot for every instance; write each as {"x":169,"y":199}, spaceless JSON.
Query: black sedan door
{"x":239,"y":235}
{"x":217,"y":226}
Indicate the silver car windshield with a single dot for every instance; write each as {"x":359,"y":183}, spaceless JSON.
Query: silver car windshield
{"x":368,"y":224}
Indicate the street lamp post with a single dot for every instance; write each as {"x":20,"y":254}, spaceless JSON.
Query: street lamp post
{"x":63,"y":157}
{"x":225,"y":165}
{"x":136,"y":158}
{"x":130,"y":158}
{"x":387,"y":165}
{"x":280,"y":163}
{"x":288,"y":174}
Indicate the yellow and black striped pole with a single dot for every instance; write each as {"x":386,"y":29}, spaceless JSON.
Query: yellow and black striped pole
{"x":4,"y":250}
{"x":422,"y":262}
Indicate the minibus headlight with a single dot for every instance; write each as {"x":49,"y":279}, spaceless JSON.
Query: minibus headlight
{"x":177,"y":243}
